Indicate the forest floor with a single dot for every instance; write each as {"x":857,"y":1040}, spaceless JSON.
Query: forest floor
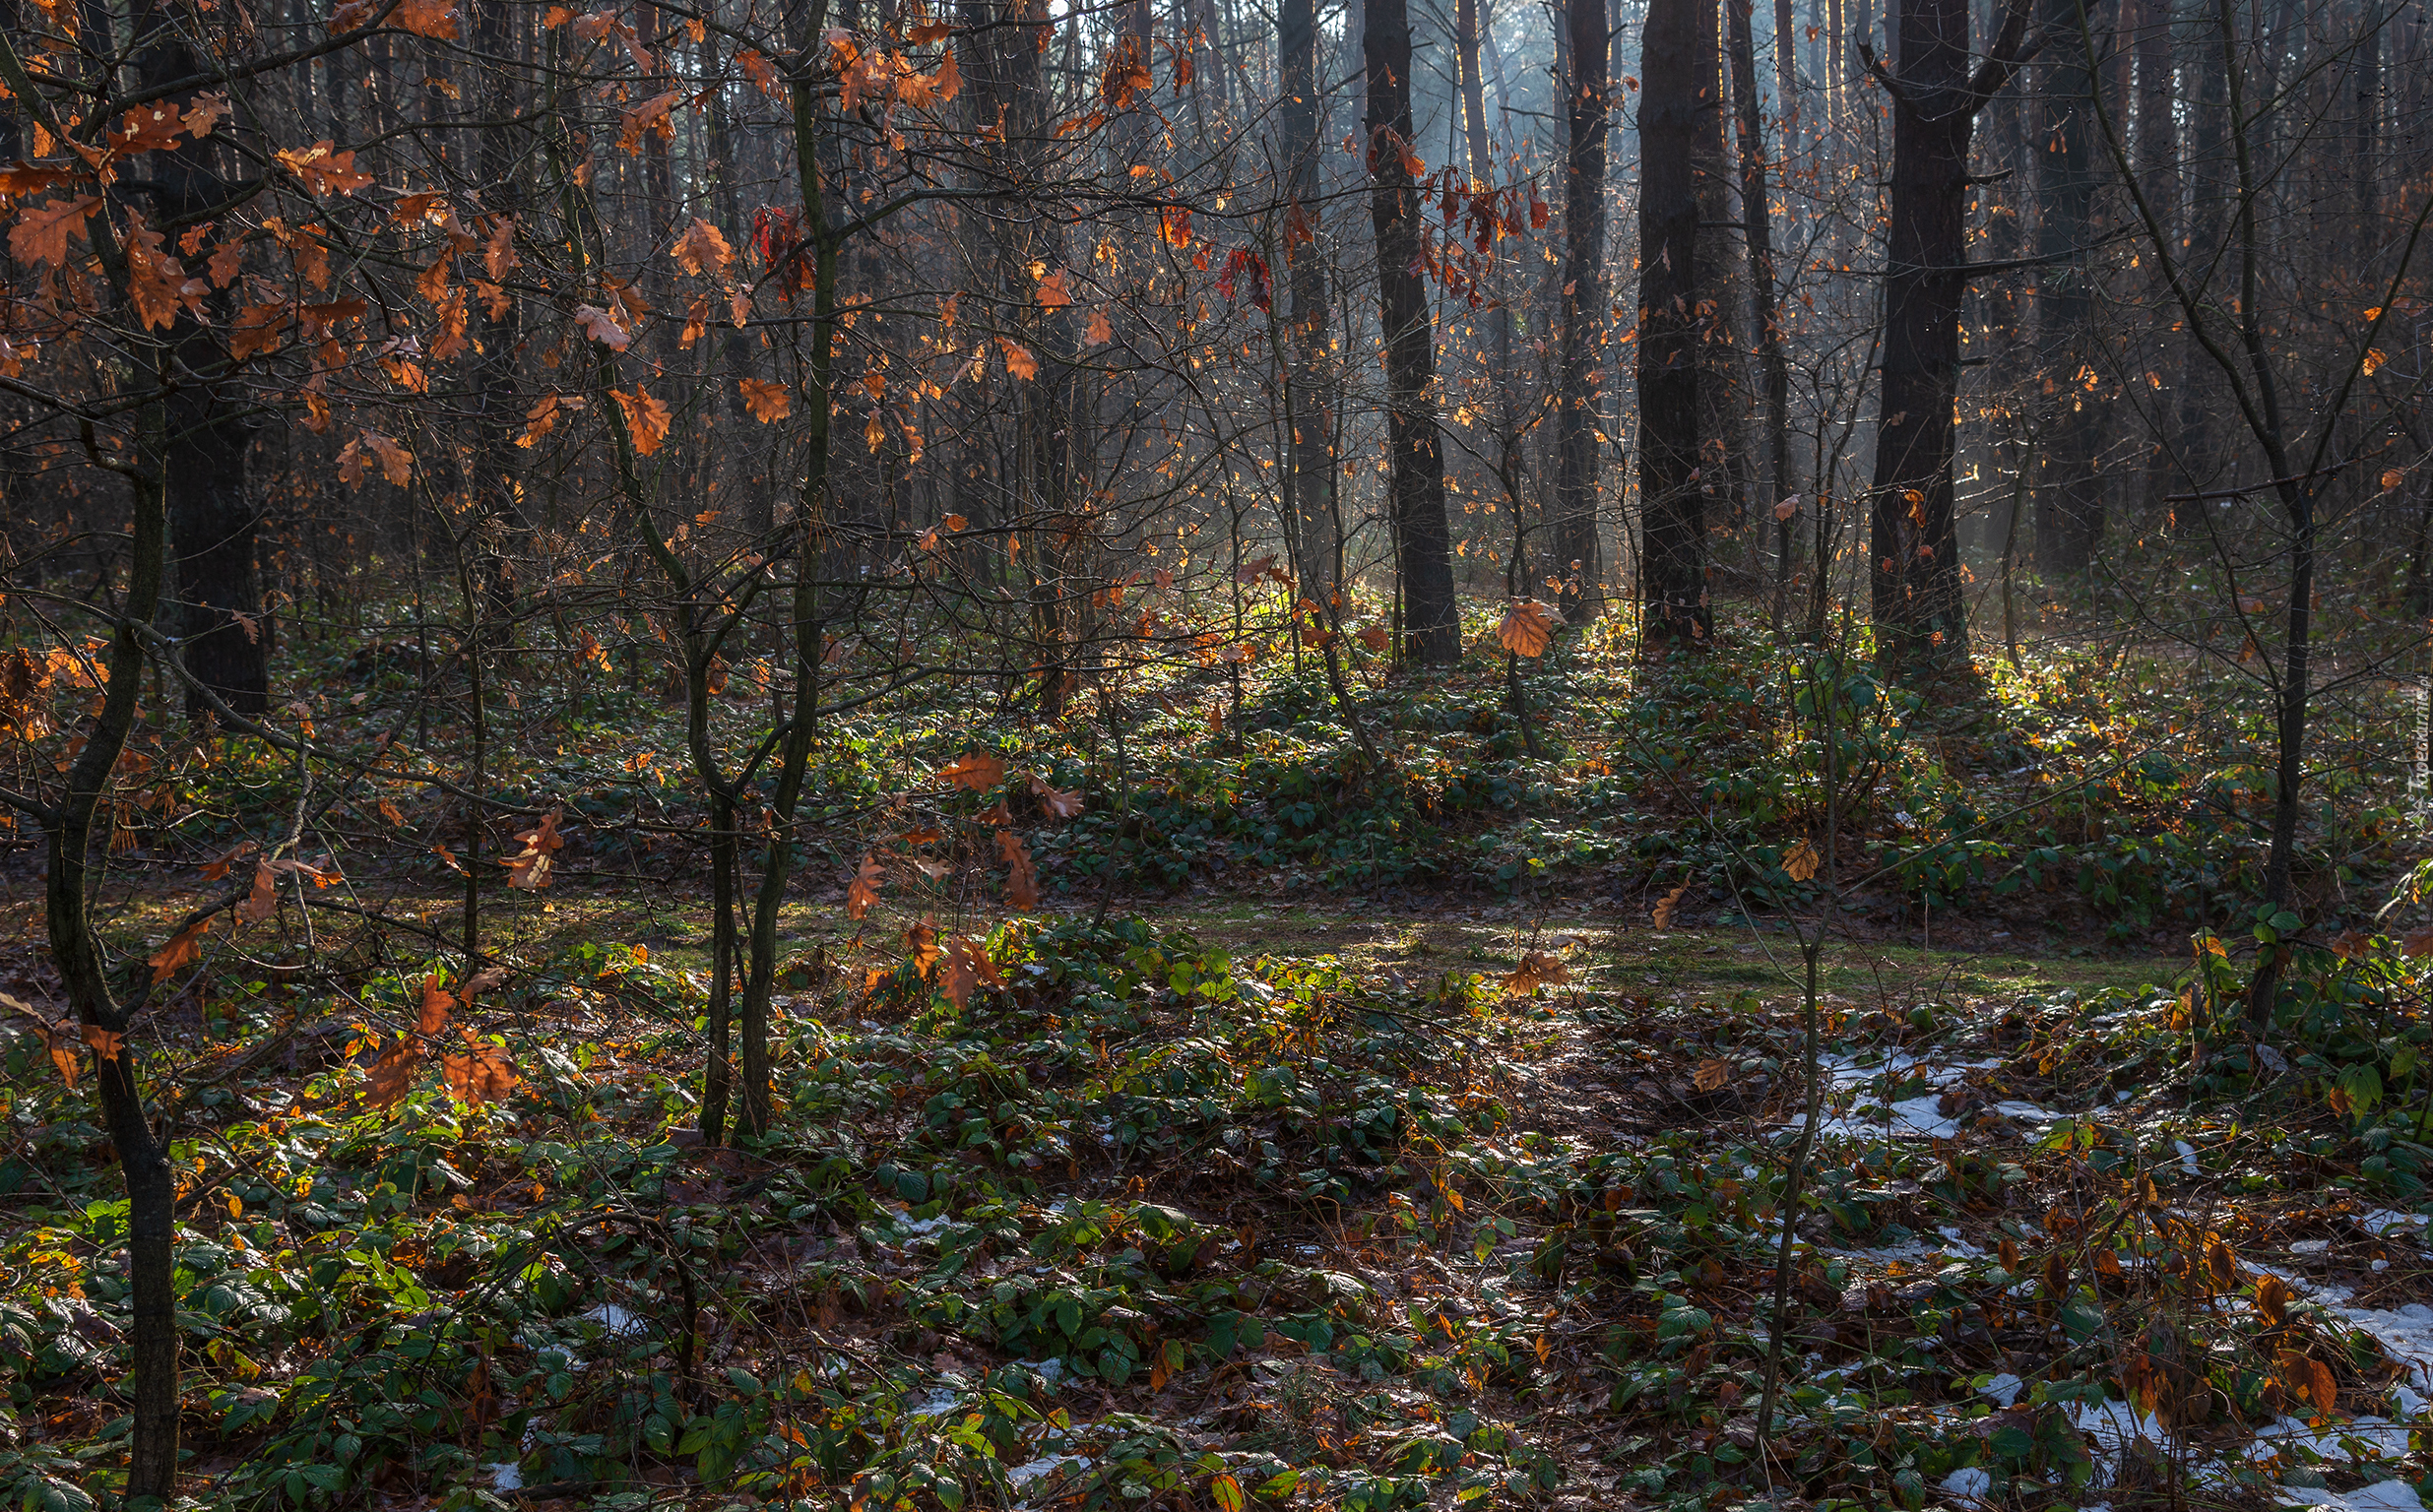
{"x":1389,"y":1155}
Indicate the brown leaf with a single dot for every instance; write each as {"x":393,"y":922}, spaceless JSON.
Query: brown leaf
{"x":263,"y":901}
{"x":861,"y":894}
{"x":976,"y":770}
{"x":41,"y":231}
{"x":1663,"y":912}
{"x":702,"y":248}
{"x":1527,"y":628}
{"x":646,"y":418}
{"x":482,"y":1073}
{"x":183,"y":949}
{"x":1711,"y":1075}
{"x":1021,"y":880}
{"x":1802,"y":861}
{"x":436,"y":1005}
{"x":107,"y":1044}
{"x":602,"y":327}
{"x":2272,"y":1299}
{"x":1538,"y":968}
{"x":2416,"y":942}
{"x":1057,"y":801}
{"x":1018,"y":359}
{"x":921,"y":946}
{"x":392,"y":1074}
{"x":767,"y":401}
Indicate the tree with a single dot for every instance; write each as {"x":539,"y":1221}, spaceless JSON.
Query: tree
{"x":1423,"y":541}
{"x":1913,"y":547}
{"x":1579,"y":551}
{"x":1677,"y":89}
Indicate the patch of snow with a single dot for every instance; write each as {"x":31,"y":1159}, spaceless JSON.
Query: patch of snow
{"x":1046,"y":1465}
{"x":938,"y":1404}
{"x":2383,"y":1496}
{"x":505,"y":1478}
{"x":2310,"y":1246}
{"x":1051,"y":1369}
{"x":1968,"y":1481}
{"x":617,"y":1320}
{"x":2188,"y":1157}
{"x":2272,"y":1059}
{"x":2383,"y":1222}
{"x":2004,"y":1389}
{"x":2360,"y":1438}
{"x":2114,"y":1426}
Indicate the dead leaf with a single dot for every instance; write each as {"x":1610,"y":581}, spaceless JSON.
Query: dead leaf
{"x":1527,"y":628}
{"x":1802,"y":861}
{"x":863,"y":892}
{"x":107,"y":1044}
{"x":1538,"y":968}
{"x":976,"y":771}
{"x":1021,"y":879}
{"x":263,"y":901}
{"x":1057,"y":802}
{"x":1711,"y":1075}
{"x":1663,"y":912}
{"x":183,"y":949}
{"x":436,"y":1005}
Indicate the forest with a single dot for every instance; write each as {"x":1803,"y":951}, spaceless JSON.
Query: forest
{"x":1157,"y":754}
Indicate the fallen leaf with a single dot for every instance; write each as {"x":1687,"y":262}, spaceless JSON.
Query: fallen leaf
{"x":1663,"y":912}
{"x":1538,"y":968}
{"x":1711,"y":1075}
{"x":976,"y":770}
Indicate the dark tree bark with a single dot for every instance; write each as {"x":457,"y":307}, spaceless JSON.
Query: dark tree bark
{"x":1317,"y":540}
{"x":213,"y":516}
{"x":1920,"y":615}
{"x":1676,"y":85}
{"x":1579,"y":560}
{"x":1423,"y":542}
{"x":1773,"y":367}
{"x":2070,"y":508}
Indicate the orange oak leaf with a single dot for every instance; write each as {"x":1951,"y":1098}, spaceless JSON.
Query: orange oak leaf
{"x":437,"y":1002}
{"x":702,"y":248}
{"x":602,"y":327}
{"x":1099,"y":333}
{"x":646,"y":418}
{"x":767,"y":401}
{"x":1018,"y":359}
{"x":41,"y":231}
{"x":107,"y":1044}
{"x":481,"y":1073}
{"x":978,"y":771}
{"x":1055,"y":800}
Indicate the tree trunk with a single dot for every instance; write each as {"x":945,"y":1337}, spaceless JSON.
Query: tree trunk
{"x":1913,"y":556}
{"x":1316,"y":542}
{"x":1775,"y":368}
{"x":1579,"y":560}
{"x":212,"y":519}
{"x":2070,"y":505}
{"x":1423,"y":541}
{"x":1677,"y":83}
